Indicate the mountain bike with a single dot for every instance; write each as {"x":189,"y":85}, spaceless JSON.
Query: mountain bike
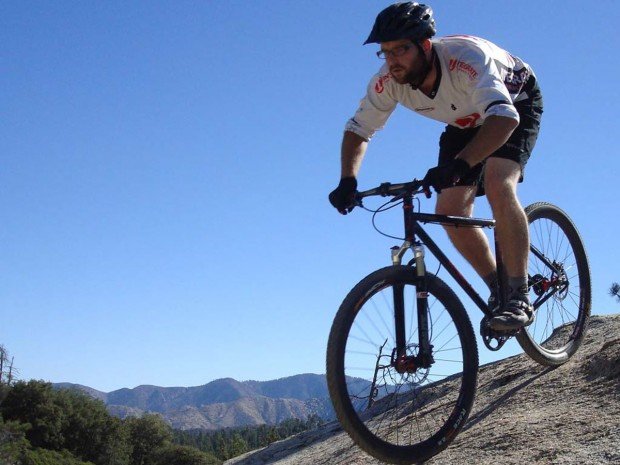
{"x":402,"y":358}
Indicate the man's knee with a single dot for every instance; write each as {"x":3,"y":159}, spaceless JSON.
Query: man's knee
{"x":499,"y":191}
{"x":500,"y":180}
{"x":456,"y":201}
{"x":448,"y":209}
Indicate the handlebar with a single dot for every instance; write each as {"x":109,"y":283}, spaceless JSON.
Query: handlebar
{"x":395,"y":190}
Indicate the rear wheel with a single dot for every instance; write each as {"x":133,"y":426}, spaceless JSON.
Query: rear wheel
{"x":401,"y":417}
{"x":559,"y":279}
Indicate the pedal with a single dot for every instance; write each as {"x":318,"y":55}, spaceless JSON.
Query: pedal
{"x":494,"y":340}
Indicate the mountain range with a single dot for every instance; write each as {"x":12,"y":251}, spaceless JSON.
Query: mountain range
{"x":221,"y":403}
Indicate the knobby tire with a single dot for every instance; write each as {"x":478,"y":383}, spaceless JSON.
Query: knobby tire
{"x":561,"y":322}
{"x":425,"y":395}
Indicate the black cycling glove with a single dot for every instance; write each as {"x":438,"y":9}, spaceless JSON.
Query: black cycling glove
{"x":343,"y":197}
{"x":447,"y":175}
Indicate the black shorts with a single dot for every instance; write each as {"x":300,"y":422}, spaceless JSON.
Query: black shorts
{"x":518,"y":147}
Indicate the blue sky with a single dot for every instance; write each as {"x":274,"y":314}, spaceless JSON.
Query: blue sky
{"x":164,"y":171}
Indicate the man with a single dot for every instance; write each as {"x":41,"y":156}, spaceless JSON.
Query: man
{"x":492,"y":105}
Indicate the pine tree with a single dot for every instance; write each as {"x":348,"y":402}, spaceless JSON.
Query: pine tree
{"x":614,"y":291}
{"x":238,"y":445}
{"x":7,"y":371}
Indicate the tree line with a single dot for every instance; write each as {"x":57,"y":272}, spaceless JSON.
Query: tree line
{"x":231,"y":442}
{"x":40,"y":425}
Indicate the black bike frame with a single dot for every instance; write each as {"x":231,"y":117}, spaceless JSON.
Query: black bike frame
{"x":414,"y":230}
{"x":416,"y":236}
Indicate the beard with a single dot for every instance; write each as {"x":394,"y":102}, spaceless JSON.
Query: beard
{"x":414,"y":76}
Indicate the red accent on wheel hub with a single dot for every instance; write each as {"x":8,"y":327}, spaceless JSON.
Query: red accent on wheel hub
{"x":406,"y":364}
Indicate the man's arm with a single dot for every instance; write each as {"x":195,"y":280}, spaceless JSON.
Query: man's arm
{"x":493,"y":133}
{"x":351,"y":154}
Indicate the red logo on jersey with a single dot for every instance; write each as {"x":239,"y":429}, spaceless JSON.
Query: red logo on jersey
{"x":468,"y":121}
{"x":379,"y":86}
{"x":463,"y":67}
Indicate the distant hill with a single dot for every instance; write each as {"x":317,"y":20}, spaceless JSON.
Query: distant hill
{"x":90,"y":391}
{"x":221,"y":403}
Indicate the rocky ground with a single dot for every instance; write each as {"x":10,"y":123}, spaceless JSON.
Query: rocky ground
{"x":524,"y":413}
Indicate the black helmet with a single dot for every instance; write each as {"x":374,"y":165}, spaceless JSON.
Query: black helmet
{"x":408,"y":20}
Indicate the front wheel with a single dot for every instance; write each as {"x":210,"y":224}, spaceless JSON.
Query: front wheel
{"x":559,"y":279}
{"x":401,"y":416}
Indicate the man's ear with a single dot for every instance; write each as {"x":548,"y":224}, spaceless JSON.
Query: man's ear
{"x":426,"y":45}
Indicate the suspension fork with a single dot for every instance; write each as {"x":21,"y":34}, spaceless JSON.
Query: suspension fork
{"x":425,"y":356}
{"x":399,"y":303}
{"x":424,"y":359}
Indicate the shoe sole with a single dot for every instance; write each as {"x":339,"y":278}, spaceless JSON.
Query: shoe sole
{"x":500,"y":326}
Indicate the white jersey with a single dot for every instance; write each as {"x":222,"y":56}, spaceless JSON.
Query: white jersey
{"x":477,"y":79}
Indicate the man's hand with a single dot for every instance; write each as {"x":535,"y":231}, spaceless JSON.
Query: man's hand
{"x":343,"y":196}
{"x":445,"y":176}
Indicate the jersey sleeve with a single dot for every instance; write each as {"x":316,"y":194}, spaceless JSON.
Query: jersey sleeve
{"x":479,"y":74}
{"x":375,"y":108}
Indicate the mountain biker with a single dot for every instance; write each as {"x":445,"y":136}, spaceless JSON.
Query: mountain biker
{"x":492,"y":105}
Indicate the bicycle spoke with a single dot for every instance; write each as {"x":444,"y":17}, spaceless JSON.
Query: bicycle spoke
{"x":559,"y":274}
{"x":408,"y":403}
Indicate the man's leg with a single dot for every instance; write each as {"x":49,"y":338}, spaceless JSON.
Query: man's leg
{"x":500,"y":179}
{"x":472,"y":243}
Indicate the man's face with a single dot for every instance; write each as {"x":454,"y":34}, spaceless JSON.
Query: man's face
{"x":406,"y":63}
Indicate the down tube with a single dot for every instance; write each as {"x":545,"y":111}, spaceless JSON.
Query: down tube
{"x":458,"y":277}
